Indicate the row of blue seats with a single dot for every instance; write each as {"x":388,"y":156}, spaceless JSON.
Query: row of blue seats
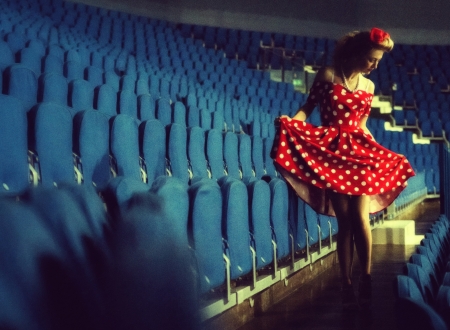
{"x":423,"y":292}
{"x":416,"y":190}
{"x":237,"y":165}
{"x":67,"y":263}
{"x":80,"y":95}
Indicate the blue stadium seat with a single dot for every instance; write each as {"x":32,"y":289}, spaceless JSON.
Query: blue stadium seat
{"x":214,"y":153}
{"x":64,"y":219}
{"x":124,"y":146}
{"x":146,"y":107}
{"x":16,"y":41}
{"x":112,"y":79}
{"x":31,"y":60}
{"x":73,"y":70}
{"x":128,"y":103}
{"x":175,"y":206}
{"x":106,"y":100}
{"x":6,"y":55}
{"x":25,"y":240}
{"x":14,"y":172}
{"x":21,"y":83}
{"x":152,"y":142}
{"x":89,"y":126}
{"x":53,"y":87}
{"x":51,"y":138}
{"x":81,"y":95}
{"x":94,"y":75}
{"x":163,"y":111}
{"x":422,"y":280}
{"x":176,"y":151}
{"x":196,"y":154}
{"x":235,"y":226}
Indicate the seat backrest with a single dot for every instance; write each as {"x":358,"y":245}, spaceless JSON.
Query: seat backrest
{"x":51,"y":138}
{"x":91,"y":144}
{"x":152,"y":143}
{"x":230,"y":154}
{"x":124,"y":146}
{"x":245,"y":156}
{"x":22,"y":84}
{"x":81,"y":95}
{"x":176,"y":151}
{"x":196,"y":152}
{"x":94,"y":75}
{"x":146,"y":107}
{"x":53,"y":87}
{"x":423,"y":282}
{"x":128,"y":103}
{"x":235,"y":226}
{"x":259,"y":196}
{"x":214,"y":153}
{"x":164,"y":111}
{"x":13,"y":146}
{"x":106,"y":100}
{"x":27,"y":245}
{"x":257,"y":156}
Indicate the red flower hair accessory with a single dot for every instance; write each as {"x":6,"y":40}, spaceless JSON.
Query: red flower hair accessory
{"x":378,"y":36}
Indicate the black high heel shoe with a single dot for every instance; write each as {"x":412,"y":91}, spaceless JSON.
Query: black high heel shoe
{"x":365,"y":291}
{"x":349,"y":301}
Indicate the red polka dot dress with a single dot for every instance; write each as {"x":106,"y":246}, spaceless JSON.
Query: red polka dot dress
{"x":338,"y":156}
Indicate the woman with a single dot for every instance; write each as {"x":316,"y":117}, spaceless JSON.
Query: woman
{"x":338,"y":168}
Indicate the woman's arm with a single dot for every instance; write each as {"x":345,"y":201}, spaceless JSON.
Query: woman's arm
{"x":324,"y":74}
{"x":304,"y":112}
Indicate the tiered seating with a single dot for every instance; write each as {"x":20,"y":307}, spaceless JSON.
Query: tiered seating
{"x":134,"y":106}
{"x":422,"y":293}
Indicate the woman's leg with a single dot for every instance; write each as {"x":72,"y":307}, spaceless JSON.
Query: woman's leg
{"x":359,"y":208}
{"x":341,"y":206}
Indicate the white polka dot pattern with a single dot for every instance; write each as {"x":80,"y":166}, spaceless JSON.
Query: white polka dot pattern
{"x":355,"y":163}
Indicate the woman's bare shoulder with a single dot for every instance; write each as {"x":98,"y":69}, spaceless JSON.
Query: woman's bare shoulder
{"x":370,"y":85}
{"x":325,"y":73}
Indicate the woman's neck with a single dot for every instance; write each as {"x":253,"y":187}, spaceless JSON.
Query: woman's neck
{"x":350,"y":74}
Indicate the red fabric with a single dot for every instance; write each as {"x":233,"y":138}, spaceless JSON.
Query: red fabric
{"x":338,"y":156}
{"x":378,"y":36}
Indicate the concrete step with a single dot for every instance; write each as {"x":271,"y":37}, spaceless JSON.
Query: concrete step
{"x":397,"y":232}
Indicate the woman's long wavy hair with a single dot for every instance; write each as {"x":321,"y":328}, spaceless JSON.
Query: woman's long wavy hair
{"x":354,"y":46}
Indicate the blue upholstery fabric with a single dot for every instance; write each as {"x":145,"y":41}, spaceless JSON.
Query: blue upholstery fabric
{"x":52,"y":131}
{"x":80,"y":271}
{"x":146,"y":107}
{"x":312,"y":219}
{"x":89,"y":126}
{"x":124,"y":146}
{"x":24,"y":242}
{"x":13,"y":146}
{"x":230,"y":154}
{"x":260,"y":224}
{"x":22,"y":84}
{"x":53,"y":87}
{"x":81,"y":95}
{"x":196,"y":152}
{"x":235,"y":226}
{"x":422,"y":280}
{"x":205,"y":223}
{"x":106,"y":100}
{"x":164,"y":111}
{"x":176,"y":151}
{"x":73,"y":70}
{"x":174,"y":205}
{"x":128,"y":103}
{"x":152,"y":142}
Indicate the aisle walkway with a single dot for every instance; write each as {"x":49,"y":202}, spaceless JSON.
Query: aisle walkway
{"x":316,"y":305}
